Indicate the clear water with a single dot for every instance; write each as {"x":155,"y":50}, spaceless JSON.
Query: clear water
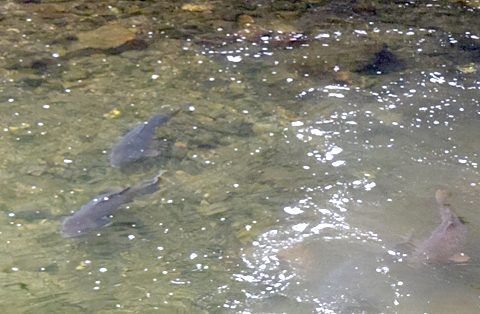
{"x":339,"y":250}
{"x":296,"y":184}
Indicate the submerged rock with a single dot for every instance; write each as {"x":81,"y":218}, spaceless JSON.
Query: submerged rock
{"x":105,"y":37}
{"x":384,"y":62}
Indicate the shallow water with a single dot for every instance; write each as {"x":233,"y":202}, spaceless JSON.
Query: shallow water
{"x":337,"y":251}
{"x":297,"y":183}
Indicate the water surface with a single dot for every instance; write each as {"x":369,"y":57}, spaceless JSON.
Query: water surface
{"x":299,"y":181}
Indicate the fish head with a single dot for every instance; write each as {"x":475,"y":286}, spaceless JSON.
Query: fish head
{"x":75,"y":227}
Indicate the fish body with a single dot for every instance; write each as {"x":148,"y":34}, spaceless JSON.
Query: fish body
{"x":447,"y":241}
{"x":134,"y":144}
{"x":95,"y":213}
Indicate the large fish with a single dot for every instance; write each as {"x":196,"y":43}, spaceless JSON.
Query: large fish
{"x":95,"y":213}
{"x":134,"y":144}
{"x":447,"y":241}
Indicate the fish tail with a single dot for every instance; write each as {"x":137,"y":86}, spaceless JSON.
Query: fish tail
{"x":146,"y":187}
{"x":159,"y":120}
{"x":443,"y":207}
{"x":162,"y":118}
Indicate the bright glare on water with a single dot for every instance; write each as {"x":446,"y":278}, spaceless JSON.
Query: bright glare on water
{"x":306,"y":145}
{"x":346,"y":246}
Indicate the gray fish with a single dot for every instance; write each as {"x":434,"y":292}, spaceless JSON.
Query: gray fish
{"x":134,"y":144}
{"x":447,"y":241}
{"x":95,"y":213}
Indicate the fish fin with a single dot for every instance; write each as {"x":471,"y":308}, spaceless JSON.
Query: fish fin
{"x":155,"y":179}
{"x":157,"y":147}
{"x":105,"y":221}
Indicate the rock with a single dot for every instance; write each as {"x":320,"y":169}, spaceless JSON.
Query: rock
{"x":197,"y":7}
{"x":105,"y":37}
{"x":245,"y":20}
{"x":384,"y":62}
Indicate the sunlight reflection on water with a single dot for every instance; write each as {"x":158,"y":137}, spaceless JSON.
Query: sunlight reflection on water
{"x":330,"y":256}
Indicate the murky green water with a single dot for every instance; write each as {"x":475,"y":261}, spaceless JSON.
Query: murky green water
{"x":299,"y":182}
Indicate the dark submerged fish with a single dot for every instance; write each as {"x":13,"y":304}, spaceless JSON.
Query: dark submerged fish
{"x":95,"y":213}
{"x":134,"y":144}
{"x":447,"y":241}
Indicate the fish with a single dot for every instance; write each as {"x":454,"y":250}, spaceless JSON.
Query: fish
{"x":94,"y":214}
{"x":134,"y":144}
{"x":447,"y":241}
